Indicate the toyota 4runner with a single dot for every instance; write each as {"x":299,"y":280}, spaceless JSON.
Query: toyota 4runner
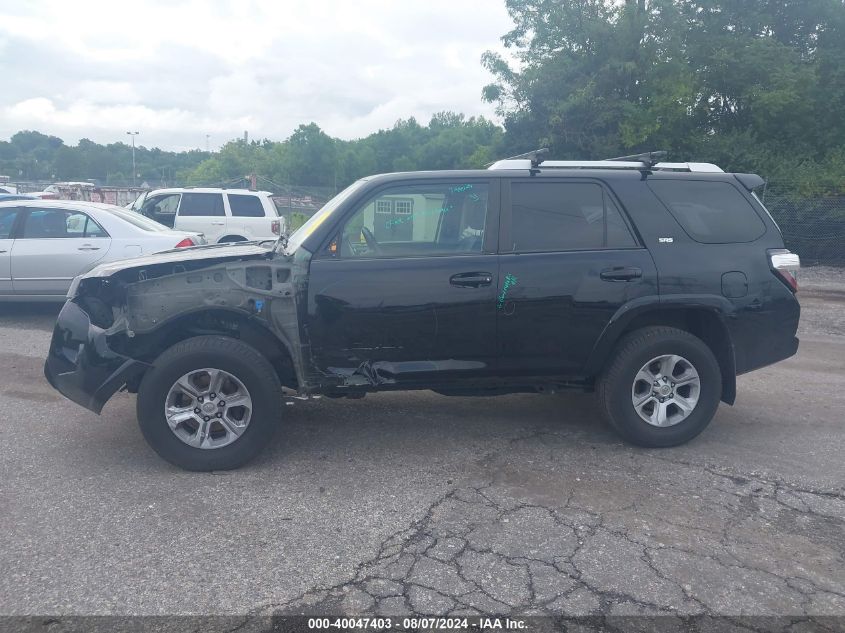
{"x":654,"y":284}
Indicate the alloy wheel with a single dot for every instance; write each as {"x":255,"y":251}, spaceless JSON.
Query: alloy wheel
{"x":666,"y":390}
{"x":208,"y":408}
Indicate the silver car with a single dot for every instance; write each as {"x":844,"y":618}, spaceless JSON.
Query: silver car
{"x":44,"y":244}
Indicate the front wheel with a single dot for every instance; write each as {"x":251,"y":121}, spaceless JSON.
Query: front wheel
{"x":209,"y":403}
{"x":661,"y":388}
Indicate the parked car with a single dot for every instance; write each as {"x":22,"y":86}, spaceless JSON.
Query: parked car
{"x":45,"y":195}
{"x":652,"y":284}
{"x":33,"y":195}
{"x":44,"y":244}
{"x":223,"y":215}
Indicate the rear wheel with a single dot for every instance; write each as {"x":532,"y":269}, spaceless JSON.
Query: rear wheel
{"x":661,"y":388}
{"x":209,"y":403}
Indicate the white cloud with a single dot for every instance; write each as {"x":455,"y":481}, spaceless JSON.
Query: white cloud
{"x":179,"y":71}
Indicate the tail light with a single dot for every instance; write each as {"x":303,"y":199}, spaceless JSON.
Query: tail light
{"x":786,"y":266}
{"x":185,"y":243}
{"x":276,"y":227}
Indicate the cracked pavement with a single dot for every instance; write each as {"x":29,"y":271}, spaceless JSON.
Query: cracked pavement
{"x":523,"y":543}
{"x":418,"y":503}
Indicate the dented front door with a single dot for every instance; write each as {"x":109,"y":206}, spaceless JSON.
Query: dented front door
{"x":402,"y":320}
{"x":410,"y":295}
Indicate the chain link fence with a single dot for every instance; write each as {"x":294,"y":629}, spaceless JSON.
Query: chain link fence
{"x":297,"y":204}
{"x":813,"y":225}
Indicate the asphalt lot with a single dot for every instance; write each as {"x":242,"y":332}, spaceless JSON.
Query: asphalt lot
{"x":421,"y":503}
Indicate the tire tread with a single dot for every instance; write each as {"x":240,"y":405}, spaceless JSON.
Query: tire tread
{"x":216,"y":459}
{"x":613,"y":374}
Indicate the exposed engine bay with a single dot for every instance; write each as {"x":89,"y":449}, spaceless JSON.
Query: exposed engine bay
{"x":138,"y":307}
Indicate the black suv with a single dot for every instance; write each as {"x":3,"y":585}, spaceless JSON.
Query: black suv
{"x":653,"y":284}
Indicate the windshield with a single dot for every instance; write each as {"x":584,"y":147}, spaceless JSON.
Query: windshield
{"x":302,"y":233}
{"x":138,"y":220}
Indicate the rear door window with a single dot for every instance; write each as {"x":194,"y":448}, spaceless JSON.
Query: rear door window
{"x":7,"y":220}
{"x":201,"y":204}
{"x":709,"y":211}
{"x":54,"y":223}
{"x":137,"y":220}
{"x":245,"y":206}
{"x":565,"y":216}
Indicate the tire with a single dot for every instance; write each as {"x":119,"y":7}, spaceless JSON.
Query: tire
{"x":621,"y":382}
{"x":247,"y":370}
{"x":228,"y":239}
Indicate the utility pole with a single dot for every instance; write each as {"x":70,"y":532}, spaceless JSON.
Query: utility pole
{"x":133,"y":135}
{"x":207,"y":136}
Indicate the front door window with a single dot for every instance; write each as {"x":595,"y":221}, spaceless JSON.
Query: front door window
{"x":161,"y":208}
{"x":418,"y":220}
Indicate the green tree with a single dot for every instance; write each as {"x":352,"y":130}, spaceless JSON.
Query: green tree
{"x":311,"y":157}
{"x":749,"y":85}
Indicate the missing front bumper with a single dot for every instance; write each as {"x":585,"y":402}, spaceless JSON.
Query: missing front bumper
{"x":81,"y":366}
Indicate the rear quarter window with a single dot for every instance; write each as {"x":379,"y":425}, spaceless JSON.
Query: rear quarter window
{"x":201,"y":204}
{"x":710,"y":212}
{"x":245,"y":206}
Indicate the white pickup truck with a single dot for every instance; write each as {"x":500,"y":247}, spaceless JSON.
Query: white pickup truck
{"x":222,"y":215}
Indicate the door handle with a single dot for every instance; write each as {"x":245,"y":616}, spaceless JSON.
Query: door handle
{"x":471,"y":280}
{"x":219,"y":223}
{"x":88,"y":247}
{"x":621,"y":273}
{"x":4,"y":251}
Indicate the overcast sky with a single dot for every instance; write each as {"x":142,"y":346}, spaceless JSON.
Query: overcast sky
{"x":176,"y":71}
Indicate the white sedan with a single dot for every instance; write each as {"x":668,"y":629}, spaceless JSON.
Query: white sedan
{"x":44,"y":244}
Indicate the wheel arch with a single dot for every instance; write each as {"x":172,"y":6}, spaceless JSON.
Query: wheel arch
{"x":702,"y":317}
{"x":224,"y":322}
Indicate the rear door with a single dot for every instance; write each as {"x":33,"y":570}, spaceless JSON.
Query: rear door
{"x":409,"y":297}
{"x":7,"y":223}
{"x":568,"y":262}
{"x":247,"y":218}
{"x":53,"y":247}
{"x":203,"y":213}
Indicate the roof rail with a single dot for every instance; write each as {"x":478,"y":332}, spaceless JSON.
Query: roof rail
{"x":646,"y":161}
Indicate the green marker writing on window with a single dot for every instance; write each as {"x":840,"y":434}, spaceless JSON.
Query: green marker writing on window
{"x":418,"y":214}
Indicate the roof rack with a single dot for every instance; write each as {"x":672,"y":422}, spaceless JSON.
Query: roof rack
{"x":648,"y":158}
{"x":647,"y":161}
{"x":535,"y":156}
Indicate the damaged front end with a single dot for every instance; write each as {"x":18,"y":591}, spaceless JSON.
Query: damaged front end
{"x":119,"y":317}
{"x":80,"y":364}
